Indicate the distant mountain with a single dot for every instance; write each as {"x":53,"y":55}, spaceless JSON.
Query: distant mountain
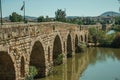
{"x":110,"y":13}
{"x":30,"y":17}
{"x":71,"y":17}
{"x":7,"y":18}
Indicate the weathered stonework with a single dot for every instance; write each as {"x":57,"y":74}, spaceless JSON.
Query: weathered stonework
{"x":17,"y":40}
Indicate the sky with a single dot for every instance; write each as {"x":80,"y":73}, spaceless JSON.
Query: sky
{"x":38,"y":8}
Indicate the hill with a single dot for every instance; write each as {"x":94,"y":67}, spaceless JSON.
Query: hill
{"x":110,"y":13}
{"x":72,"y":17}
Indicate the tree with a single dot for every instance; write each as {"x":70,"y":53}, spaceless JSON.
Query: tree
{"x":93,"y":35}
{"x":20,"y":18}
{"x":14,"y":17}
{"x":47,"y":19}
{"x":60,"y":15}
{"x":117,"y":20}
{"x":40,"y":19}
{"x":104,"y":39}
{"x":76,"y":20}
{"x":80,"y":22}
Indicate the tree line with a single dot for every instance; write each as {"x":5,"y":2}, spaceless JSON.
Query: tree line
{"x":94,"y":35}
{"x":60,"y":15}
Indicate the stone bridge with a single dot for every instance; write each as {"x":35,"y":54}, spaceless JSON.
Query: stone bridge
{"x":36,"y":44}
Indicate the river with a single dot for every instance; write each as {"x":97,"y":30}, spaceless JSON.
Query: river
{"x":93,"y":64}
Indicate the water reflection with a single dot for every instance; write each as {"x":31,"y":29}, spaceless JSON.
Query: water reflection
{"x":102,"y":54}
{"x":104,"y":64}
{"x":84,"y":65}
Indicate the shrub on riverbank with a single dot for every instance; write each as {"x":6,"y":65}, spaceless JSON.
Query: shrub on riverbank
{"x":101,"y":37}
{"x":116,"y":41}
{"x":116,"y":27}
{"x":81,"y":47}
{"x":107,"y":40}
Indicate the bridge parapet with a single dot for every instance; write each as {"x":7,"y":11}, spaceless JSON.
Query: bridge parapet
{"x":12,"y":31}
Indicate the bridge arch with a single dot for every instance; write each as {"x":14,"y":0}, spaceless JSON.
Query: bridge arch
{"x":64,"y":47}
{"x":22,"y":68}
{"x":76,"y":44}
{"x":81,"y":38}
{"x":85,"y":38}
{"x":69,"y":46}
{"x":7,"y":68}
{"x":37,"y":58}
{"x":57,"y":50}
{"x":49,"y":54}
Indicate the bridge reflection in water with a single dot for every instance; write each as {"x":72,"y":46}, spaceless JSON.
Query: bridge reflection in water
{"x":71,"y":69}
{"x":75,"y":68}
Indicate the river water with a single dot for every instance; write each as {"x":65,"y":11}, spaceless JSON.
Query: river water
{"x":93,"y":64}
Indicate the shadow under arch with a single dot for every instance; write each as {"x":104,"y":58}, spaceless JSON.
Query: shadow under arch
{"x":81,"y":38}
{"x":22,"y":68}
{"x":37,"y":59}
{"x":76,"y":44}
{"x":69,"y":46}
{"x":49,"y":54}
{"x":7,"y":69}
{"x":85,"y":38}
{"x":57,"y":50}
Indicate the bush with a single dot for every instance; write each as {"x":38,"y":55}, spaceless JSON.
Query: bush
{"x":101,"y":37}
{"x":32,"y":73}
{"x":116,"y":41}
{"x":81,"y":47}
{"x":14,"y":17}
{"x":59,"y":59}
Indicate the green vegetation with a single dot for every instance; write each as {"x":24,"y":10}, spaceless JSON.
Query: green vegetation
{"x":47,"y":19}
{"x":81,"y":21}
{"x":74,"y":21}
{"x":59,"y":59}
{"x":116,"y":27}
{"x":117,"y":20}
{"x":32,"y":73}
{"x":14,"y":17}
{"x":44,"y":19}
{"x":92,"y":35}
{"x":88,"y":21}
{"x":60,"y":15}
{"x":40,"y":19}
{"x":106,"y":39}
{"x":81,"y":47}
{"x":116,"y":41}
{"x":101,"y":37}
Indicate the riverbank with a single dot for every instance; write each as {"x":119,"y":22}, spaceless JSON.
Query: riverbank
{"x":101,"y":38}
